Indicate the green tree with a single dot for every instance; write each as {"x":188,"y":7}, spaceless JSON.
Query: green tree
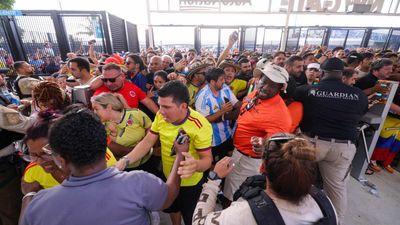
{"x":6,"y":4}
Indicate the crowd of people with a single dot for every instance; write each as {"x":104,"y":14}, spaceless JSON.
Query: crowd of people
{"x":180,"y":131}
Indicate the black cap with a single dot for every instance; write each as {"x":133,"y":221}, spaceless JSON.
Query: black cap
{"x":333,"y":64}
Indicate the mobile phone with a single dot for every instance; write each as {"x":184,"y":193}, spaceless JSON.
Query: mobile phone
{"x":235,"y":35}
{"x":226,"y":99}
{"x":181,"y":138}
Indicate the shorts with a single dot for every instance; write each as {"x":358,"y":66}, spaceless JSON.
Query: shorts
{"x":186,"y":201}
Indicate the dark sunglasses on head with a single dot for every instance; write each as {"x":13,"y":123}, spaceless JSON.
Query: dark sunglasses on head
{"x":251,"y":104}
{"x":275,"y":143}
{"x":112,"y":80}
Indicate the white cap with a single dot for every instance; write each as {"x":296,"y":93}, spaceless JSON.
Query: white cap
{"x":276,"y":73}
{"x":261,"y":64}
{"x":314,"y":66}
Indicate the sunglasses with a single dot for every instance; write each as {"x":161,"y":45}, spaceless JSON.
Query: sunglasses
{"x":128,"y":63}
{"x":274,"y":143}
{"x":112,"y":80}
{"x":29,"y":157}
{"x":251,"y":104}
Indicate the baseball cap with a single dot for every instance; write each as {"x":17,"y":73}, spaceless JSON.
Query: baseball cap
{"x":261,"y":64}
{"x":314,"y":66}
{"x":333,"y":64}
{"x":276,"y":73}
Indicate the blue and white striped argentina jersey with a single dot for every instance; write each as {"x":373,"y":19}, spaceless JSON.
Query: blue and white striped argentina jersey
{"x":208,"y":104}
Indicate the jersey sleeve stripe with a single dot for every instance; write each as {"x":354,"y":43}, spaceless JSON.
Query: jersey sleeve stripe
{"x":196,"y":121}
{"x":29,"y":166}
{"x":153,"y":132}
{"x":203,"y":149}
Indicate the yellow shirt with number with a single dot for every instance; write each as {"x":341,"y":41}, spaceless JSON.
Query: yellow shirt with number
{"x":35,"y":173}
{"x":238,"y":86}
{"x":199,"y":132}
{"x":131,"y":130}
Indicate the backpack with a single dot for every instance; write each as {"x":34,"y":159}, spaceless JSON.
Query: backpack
{"x":264,"y":209}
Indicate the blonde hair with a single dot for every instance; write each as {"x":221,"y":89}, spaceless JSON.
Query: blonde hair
{"x":116,"y":101}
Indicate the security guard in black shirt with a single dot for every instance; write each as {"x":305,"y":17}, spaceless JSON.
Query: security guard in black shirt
{"x":332,"y":111}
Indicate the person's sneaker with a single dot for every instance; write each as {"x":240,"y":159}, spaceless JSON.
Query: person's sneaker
{"x":374,"y":167}
{"x":389,"y":169}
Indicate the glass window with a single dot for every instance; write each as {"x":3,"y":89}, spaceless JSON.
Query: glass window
{"x":250,"y":38}
{"x":337,"y":38}
{"x":315,"y":37}
{"x":224,"y":37}
{"x":209,"y":40}
{"x":293,"y":37}
{"x":260,"y":37}
{"x":354,"y":38}
{"x":394,"y":41}
{"x":303,"y":36}
{"x":378,"y":38}
{"x":167,"y":38}
{"x":142,"y":36}
{"x":272,"y":40}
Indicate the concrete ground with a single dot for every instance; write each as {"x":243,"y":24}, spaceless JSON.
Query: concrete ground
{"x":365,"y":208}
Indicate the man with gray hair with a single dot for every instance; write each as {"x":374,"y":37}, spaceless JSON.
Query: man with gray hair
{"x":167,"y":63}
{"x":332,"y":111}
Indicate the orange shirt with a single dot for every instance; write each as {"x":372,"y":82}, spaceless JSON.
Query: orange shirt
{"x":266,"y":118}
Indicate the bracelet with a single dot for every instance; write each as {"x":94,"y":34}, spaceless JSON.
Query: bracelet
{"x":222,"y":117}
{"x":32,"y":193}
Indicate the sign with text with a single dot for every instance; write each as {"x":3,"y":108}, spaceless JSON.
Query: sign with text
{"x":271,"y":6}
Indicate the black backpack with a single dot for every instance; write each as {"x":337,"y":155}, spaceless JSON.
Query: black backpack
{"x":264,"y":209}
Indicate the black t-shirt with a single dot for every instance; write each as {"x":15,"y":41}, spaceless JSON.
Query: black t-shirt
{"x":332,"y":109}
{"x":244,"y":76}
{"x":301,"y":80}
{"x":290,"y":89}
{"x":368,"y":81}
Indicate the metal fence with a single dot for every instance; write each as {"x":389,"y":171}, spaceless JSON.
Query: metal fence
{"x":42,"y":36}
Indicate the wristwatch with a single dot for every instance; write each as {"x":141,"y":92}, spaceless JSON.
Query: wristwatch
{"x":213,"y":176}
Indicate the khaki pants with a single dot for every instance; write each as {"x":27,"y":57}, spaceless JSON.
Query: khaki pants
{"x":244,"y":167}
{"x":334,"y":161}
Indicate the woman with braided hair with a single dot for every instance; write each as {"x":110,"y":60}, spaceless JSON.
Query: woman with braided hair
{"x":48,"y":95}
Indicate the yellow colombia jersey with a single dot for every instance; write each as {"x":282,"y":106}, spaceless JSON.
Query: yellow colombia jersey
{"x":238,"y":86}
{"x":34,"y":172}
{"x":192,"y":94}
{"x":131,"y":130}
{"x":200,"y":135}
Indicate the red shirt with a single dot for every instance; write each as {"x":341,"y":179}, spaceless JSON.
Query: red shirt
{"x":266,"y":118}
{"x":132,"y":94}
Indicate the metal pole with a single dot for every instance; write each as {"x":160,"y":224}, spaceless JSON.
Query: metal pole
{"x":151,"y":37}
{"x":286,"y":29}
